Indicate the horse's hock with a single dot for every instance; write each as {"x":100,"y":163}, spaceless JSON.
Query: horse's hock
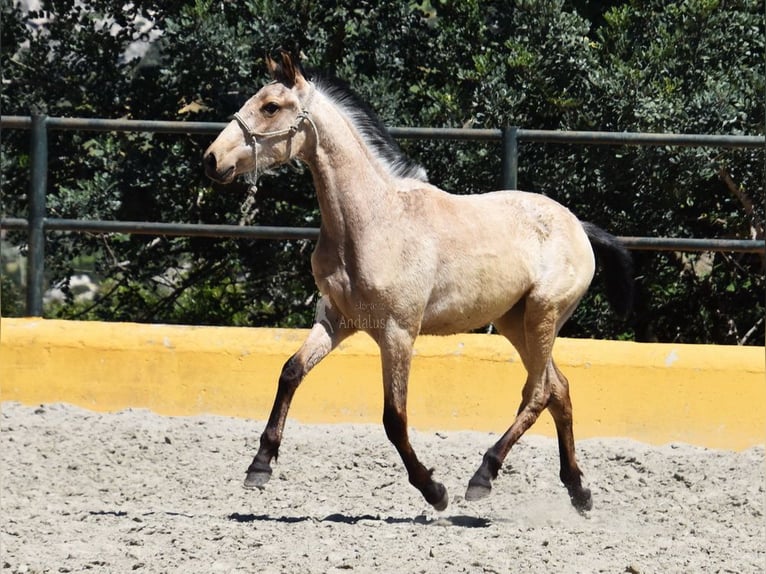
{"x":654,"y":393}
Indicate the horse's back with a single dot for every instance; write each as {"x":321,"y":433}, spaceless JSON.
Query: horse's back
{"x":521,"y":223}
{"x":495,"y":248}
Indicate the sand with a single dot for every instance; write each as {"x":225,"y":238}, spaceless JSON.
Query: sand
{"x":137,"y":492}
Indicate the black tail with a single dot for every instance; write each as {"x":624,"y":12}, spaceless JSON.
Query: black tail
{"x":618,"y":268}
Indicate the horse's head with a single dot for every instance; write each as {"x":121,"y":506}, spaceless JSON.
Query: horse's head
{"x":270,"y":129}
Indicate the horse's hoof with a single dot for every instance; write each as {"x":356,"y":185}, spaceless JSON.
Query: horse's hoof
{"x":582,"y":500}
{"x":257,"y":479}
{"x":478,"y":487}
{"x":477,"y":492}
{"x":436,"y":495}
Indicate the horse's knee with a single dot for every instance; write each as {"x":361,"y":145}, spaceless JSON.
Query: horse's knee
{"x":292,"y":373}
{"x":395,"y":425}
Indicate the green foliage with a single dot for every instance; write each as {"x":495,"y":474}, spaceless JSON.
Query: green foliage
{"x":691,"y":66}
{"x":11,"y":298}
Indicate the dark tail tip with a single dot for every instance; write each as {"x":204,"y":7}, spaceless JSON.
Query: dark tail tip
{"x":618,"y":268}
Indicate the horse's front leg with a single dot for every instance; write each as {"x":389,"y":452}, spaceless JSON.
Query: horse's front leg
{"x":325,"y":335}
{"x":396,"y":355}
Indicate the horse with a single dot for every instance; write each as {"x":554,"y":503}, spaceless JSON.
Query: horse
{"x":397,"y":256}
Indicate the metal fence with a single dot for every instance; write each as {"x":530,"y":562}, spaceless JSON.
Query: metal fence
{"x":36,"y":223}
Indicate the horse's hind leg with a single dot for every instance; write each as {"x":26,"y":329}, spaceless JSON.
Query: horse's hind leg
{"x":323,"y":338}
{"x":532,"y":331}
{"x":551,"y":390}
{"x":560,"y":407}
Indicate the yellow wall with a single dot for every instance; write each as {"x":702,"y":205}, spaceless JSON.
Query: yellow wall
{"x":707,"y":395}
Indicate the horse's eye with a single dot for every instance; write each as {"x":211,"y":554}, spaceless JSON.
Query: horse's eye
{"x":270,"y":109}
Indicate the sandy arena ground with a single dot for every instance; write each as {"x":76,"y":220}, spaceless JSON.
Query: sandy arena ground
{"x":137,"y":492}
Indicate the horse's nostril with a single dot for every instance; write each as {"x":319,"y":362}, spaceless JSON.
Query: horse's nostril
{"x":210,"y":163}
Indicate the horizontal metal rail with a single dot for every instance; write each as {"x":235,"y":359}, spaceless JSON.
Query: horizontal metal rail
{"x":121,"y":125}
{"x":166,"y":229}
{"x":36,"y":224}
{"x":311,"y":233}
{"x":469,"y":134}
{"x":641,"y":139}
{"x":688,"y":244}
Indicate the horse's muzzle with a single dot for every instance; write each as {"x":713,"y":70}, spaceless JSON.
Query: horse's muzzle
{"x":212,"y":169}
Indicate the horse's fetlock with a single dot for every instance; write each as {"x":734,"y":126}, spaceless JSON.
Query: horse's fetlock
{"x":269,"y":445}
{"x":492,"y":463}
{"x":568,"y":479}
{"x":421,"y":477}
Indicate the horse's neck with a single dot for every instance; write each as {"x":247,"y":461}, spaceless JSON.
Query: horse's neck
{"x":351,"y":185}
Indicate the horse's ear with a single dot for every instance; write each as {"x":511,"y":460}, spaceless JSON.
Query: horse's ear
{"x":287,"y":70}
{"x":272,"y":67}
{"x":291,"y":69}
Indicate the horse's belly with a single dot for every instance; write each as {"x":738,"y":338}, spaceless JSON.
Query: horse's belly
{"x":466,"y":309}
{"x":444,"y":326}
{"x":460,"y":320}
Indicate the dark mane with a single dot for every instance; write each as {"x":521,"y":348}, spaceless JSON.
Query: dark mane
{"x":371,"y":128}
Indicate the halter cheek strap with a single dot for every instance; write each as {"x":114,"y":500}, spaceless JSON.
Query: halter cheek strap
{"x":302,"y":115}
{"x":252,"y":137}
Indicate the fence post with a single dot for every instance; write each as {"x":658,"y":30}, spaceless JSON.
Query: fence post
{"x":510,"y":157}
{"x":36,"y":232}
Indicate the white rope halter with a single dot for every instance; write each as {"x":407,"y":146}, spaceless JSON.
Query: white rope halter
{"x":251,"y":137}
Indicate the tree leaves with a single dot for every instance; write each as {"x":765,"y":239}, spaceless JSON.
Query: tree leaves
{"x":690,"y":66}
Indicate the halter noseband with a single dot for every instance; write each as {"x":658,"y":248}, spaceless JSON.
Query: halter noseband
{"x":252,"y":136}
